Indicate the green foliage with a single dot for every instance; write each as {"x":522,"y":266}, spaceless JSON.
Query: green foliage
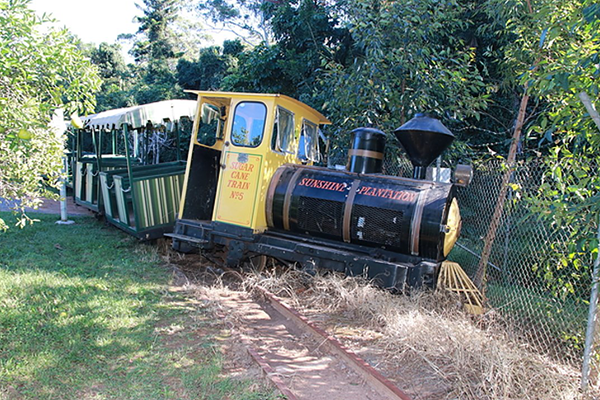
{"x":209,"y":71}
{"x":41,"y":70}
{"x":305,"y":32}
{"x":158,"y":40}
{"x":405,"y":65}
{"x":155,"y":53}
{"x":116,"y":77}
{"x":260,"y":70}
{"x":245,"y":18}
{"x":232,"y":47}
{"x":567,"y":201}
{"x":555,"y":56}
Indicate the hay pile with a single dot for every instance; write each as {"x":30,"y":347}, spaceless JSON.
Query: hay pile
{"x":436,"y":350}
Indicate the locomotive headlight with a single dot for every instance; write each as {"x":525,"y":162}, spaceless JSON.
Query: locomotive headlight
{"x":452,"y":228}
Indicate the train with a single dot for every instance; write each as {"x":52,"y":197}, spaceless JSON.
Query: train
{"x":250,"y":189}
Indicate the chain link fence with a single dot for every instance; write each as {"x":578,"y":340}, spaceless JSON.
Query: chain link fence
{"x":532,"y":280}
{"x":536,"y":281}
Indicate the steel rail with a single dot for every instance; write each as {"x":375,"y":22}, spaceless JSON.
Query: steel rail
{"x":374,"y":378}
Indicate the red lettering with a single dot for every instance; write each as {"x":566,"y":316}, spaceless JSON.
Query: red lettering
{"x":400,"y":195}
{"x":242,"y":166}
{"x":237,"y":195}
{"x":240,"y":175}
{"x":238,"y":184}
{"x":321,"y":184}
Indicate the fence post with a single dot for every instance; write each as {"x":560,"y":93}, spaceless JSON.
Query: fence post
{"x":591,"y":326}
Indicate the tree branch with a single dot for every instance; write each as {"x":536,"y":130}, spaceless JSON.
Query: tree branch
{"x":589,"y":106}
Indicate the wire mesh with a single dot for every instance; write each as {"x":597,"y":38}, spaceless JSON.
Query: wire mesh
{"x":541,"y":298}
{"x":535,"y":280}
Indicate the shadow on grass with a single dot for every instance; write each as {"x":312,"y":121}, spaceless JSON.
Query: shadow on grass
{"x":86,"y":313}
{"x":78,"y":307}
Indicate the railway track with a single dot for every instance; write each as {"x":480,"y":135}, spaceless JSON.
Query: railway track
{"x":298,"y":357}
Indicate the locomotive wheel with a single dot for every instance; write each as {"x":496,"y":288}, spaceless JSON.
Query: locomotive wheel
{"x":256,"y":262}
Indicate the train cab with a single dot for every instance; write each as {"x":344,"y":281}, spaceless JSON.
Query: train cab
{"x":238,"y":142}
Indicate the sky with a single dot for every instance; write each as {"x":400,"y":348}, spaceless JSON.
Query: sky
{"x":94,"y":21}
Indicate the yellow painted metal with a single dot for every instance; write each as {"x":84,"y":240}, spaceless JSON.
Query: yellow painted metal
{"x":454,"y":279}
{"x":247,"y":171}
{"x":238,"y":192}
{"x":453,"y":225}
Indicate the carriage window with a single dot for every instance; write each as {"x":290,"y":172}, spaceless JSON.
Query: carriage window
{"x":248,"y":124}
{"x":283,"y":131}
{"x":211,"y":126}
{"x":308,"y":147}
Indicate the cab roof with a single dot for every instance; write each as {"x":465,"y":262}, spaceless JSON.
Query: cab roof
{"x":216,"y":96}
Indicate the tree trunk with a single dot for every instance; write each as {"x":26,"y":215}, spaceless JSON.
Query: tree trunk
{"x":480,"y":275}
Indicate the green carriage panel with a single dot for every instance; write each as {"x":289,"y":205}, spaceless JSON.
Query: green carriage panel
{"x":147,"y":207}
{"x":157,"y":200}
{"x":87,"y":180}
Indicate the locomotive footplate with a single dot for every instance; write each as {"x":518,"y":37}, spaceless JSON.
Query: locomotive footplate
{"x":387,"y":269}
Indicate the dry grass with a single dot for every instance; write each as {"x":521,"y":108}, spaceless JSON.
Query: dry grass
{"x":428,"y":338}
{"x":427,"y":343}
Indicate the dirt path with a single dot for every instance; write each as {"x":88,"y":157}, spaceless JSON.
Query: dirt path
{"x":51,"y":207}
{"x":295,"y":357}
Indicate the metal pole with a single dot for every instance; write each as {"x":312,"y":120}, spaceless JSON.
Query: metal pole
{"x":64,"y":220}
{"x":125,"y":129}
{"x":591,"y":326}
{"x":178,"y":143}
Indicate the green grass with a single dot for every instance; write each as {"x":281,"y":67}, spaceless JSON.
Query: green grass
{"x":86,"y":312}
{"x":557,"y":323}
{"x":554,"y":324}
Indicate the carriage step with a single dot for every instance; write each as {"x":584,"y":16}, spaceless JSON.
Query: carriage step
{"x":184,"y":238}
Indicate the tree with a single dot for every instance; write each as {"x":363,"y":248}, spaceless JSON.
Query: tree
{"x":117,"y":77}
{"x":155,"y":52}
{"x":212,"y":66}
{"x":41,"y":70}
{"x":305,"y":32}
{"x":408,"y":57}
{"x":244,"y":18}
{"x":562,"y":39}
{"x":552,"y":57}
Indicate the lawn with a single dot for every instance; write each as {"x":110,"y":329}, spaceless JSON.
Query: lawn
{"x":86,"y":312}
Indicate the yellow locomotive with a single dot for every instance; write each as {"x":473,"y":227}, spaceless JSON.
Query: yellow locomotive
{"x":251,"y":191}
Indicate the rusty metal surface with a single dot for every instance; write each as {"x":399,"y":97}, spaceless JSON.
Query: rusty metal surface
{"x":376,"y":380}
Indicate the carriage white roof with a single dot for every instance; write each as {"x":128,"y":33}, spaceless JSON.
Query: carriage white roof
{"x":138,"y":116}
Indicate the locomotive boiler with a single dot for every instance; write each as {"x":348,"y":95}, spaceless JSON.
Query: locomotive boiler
{"x":250,"y":190}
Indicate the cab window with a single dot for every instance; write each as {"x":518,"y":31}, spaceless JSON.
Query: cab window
{"x":308,"y":146}
{"x":248,"y":124}
{"x":283,"y":131}
{"x":211,"y":127}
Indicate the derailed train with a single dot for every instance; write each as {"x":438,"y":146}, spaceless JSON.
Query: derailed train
{"x":249,"y":188}
{"x":251,"y":191}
